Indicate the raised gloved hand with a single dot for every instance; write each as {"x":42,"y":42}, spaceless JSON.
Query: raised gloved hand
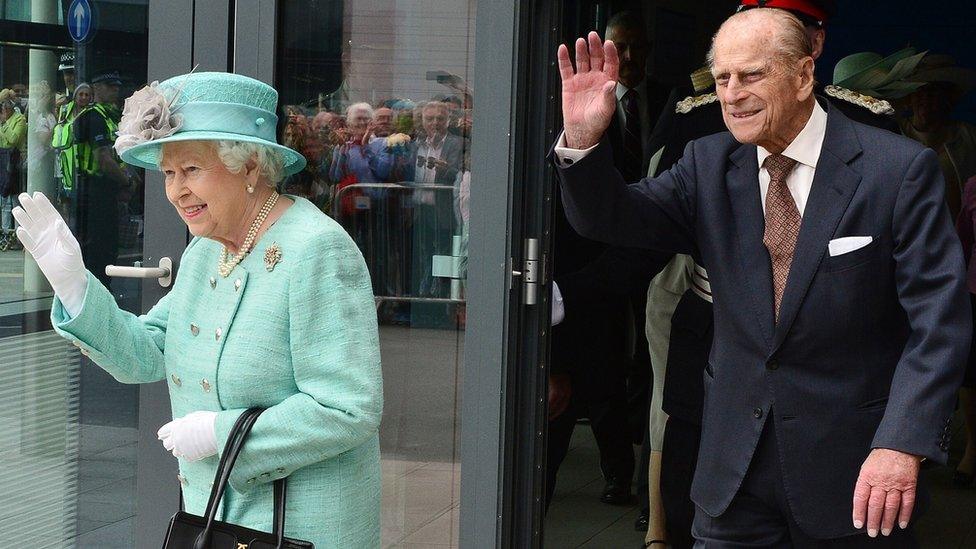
{"x":56,"y":251}
{"x":191,"y":437}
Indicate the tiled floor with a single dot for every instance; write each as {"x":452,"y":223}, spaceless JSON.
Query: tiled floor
{"x":578,"y":519}
{"x":420,"y":504}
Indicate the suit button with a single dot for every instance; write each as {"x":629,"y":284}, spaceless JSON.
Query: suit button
{"x":280,"y":470}
{"x":206,"y":385}
{"x":176,"y":380}
{"x":772,"y":365}
{"x":213,"y":283}
{"x":757,"y":413}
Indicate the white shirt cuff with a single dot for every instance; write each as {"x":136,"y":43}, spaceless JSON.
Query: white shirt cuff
{"x":558,"y":309}
{"x":567,"y":156}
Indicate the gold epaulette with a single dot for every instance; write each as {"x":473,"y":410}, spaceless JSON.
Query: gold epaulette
{"x":873,"y":104}
{"x":688,"y":103}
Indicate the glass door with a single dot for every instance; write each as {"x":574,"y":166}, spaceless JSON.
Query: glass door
{"x":68,"y":431}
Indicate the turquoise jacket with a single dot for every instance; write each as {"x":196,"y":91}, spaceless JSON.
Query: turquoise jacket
{"x":300,"y":340}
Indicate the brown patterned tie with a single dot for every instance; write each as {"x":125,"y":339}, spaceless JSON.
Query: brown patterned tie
{"x":782,"y":223}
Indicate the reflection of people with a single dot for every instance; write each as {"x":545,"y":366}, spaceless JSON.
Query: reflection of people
{"x":932,"y":125}
{"x":13,"y":142}
{"x":383,"y":122}
{"x":362,"y":156}
{"x":436,"y":157}
{"x":271,"y":291}
{"x":62,"y":140}
{"x":94,"y":214}
{"x":67,"y":69}
{"x":829,"y":389}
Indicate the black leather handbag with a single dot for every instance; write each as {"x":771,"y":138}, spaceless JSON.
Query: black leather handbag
{"x":188,"y":531}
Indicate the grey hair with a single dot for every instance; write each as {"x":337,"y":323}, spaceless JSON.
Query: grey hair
{"x":236,"y":154}
{"x":355,"y":107}
{"x":787,"y":39}
{"x":629,"y":20}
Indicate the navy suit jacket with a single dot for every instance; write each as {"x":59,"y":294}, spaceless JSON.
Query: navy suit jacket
{"x":870,"y":346}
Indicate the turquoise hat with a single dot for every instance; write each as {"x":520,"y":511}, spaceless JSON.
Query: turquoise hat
{"x":204,"y":106}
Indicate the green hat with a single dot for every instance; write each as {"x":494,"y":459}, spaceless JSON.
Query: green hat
{"x":205,"y":106}
{"x":871,"y":74}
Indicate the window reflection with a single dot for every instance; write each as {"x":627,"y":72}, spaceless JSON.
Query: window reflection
{"x":383,"y":112}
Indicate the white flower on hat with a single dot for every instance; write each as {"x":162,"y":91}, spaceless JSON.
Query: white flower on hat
{"x":148,"y":115}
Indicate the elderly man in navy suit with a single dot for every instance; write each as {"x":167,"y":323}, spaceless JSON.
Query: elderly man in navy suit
{"x":841,"y":320}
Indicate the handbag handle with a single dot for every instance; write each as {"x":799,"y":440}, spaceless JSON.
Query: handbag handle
{"x":233,"y":447}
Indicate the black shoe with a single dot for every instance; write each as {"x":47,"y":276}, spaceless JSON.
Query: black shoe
{"x":616,"y":492}
{"x":643,"y":521}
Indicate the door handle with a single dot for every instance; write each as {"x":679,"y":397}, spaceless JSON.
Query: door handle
{"x":163,"y":273}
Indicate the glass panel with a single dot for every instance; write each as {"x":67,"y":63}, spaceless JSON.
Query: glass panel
{"x":383,"y":113}
{"x":67,"y":429}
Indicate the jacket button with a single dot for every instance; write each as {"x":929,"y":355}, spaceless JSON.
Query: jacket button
{"x":176,"y":380}
{"x":217,"y":334}
{"x":206,"y":385}
{"x":194,"y":329}
{"x":757,"y":413}
{"x":213,"y":283}
{"x":772,"y":365}
{"x":182,"y":479}
{"x":280,"y":470}
{"x":237,"y":284}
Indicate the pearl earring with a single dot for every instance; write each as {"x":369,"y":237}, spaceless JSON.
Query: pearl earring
{"x":250,"y":189}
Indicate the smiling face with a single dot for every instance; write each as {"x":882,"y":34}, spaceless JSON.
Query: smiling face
{"x":212,"y":201}
{"x":766,"y":98}
{"x":435,"y":118}
{"x":83,"y":97}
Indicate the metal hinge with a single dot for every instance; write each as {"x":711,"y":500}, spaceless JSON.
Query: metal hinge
{"x":531,"y":272}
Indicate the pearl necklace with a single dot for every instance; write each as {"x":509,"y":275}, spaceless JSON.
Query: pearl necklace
{"x":225,"y":267}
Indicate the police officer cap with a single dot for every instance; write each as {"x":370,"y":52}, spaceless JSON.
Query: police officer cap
{"x":108,"y":78}
{"x":67,"y":62}
{"x":811,"y":12}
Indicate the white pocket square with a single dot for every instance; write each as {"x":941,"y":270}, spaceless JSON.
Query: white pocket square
{"x":847,"y":244}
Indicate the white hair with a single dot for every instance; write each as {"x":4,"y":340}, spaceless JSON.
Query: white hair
{"x":236,"y":154}
{"x":787,"y":41}
{"x":356,"y":107}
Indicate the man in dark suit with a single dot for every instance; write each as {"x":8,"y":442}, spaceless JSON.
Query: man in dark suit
{"x":693,"y":114}
{"x":841,"y":323}
{"x":597,"y":371}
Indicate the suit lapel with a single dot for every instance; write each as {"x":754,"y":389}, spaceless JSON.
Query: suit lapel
{"x":834,"y":184}
{"x":747,"y":215}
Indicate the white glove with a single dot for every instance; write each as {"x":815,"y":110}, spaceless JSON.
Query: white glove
{"x":45,"y":235}
{"x":558,"y":310}
{"x":191,"y":437}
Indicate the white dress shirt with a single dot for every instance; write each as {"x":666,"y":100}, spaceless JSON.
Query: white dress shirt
{"x":433,"y":148}
{"x":805,"y":149}
{"x":645,"y":117}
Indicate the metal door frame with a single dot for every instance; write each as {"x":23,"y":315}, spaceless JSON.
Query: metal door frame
{"x":183,"y":34}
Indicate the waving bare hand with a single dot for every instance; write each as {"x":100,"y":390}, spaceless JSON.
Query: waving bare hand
{"x":589,"y":99}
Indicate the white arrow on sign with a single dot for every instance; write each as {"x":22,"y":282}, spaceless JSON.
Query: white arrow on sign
{"x":79,"y":16}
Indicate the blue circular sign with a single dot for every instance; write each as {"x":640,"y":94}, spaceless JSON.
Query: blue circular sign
{"x":80,"y":24}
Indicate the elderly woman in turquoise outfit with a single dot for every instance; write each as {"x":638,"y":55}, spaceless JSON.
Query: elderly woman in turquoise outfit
{"x":272,"y":307}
